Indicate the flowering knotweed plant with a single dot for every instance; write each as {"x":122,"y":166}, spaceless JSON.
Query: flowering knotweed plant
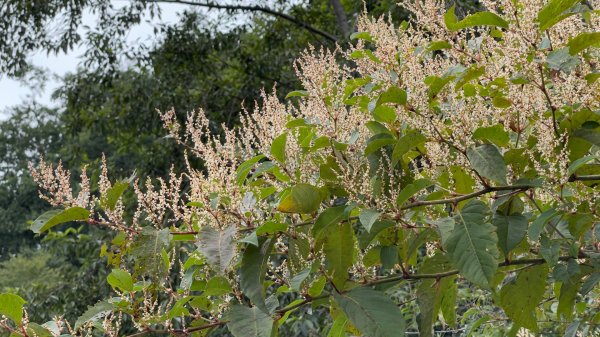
{"x":443,"y":155}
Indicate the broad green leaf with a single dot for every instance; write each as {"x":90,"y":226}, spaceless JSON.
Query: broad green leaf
{"x":393,"y":95}
{"x":431,"y":292}
{"x":372,"y":312}
{"x":487,"y":161}
{"x":549,"y":250}
{"x":121,"y":279}
{"x":302,"y":198}
{"x":278,"y":148}
{"x":338,"y":329}
{"x":179,"y":309}
{"x":495,"y":134}
{"x":329,"y":217}
{"x":34,"y":329}
{"x":249,"y":322}
{"x":476,"y":19}
{"x":367,"y":237}
{"x":147,"y":252}
{"x":377,"y":142}
{"x":296,"y":281}
{"x":57,"y":216}
{"x":521,"y":297}
{"x":338,"y":248}
{"x":297,"y":93}
{"x":368,"y":217}
{"x":554,"y":12}
{"x":242,"y":171}
{"x":384,"y":114}
{"x":511,"y":230}
{"x":562,"y":60}
{"x":361,"y":36}
{"x":580,"y":162}
{"x":218,"y":246}
{"x":95,"y":313}
{"x":590,"y":135}
{"x":438,"y":45}
{"x":111,"y":197}
{"x":11,"y":306}
{"x":568,"y":294}
{"x":590,"y":283}
{"x":217,"y":286}
{"x":411,"y":189}
{"x":472,"y":244}
{"x":538,"y":224}
{"x":405,"y":144}
{"x":583,"y":41}
{"x":253,"y":271}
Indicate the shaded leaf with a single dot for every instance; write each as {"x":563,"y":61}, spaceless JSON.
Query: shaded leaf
{"x":472,"y":244}
{"x":372,"y":312}
{"x":253,"y":271}
{"x":302,"y":198}
{"x":249,"y":322}
{"x":57,"y":216}
{"x":487,"y":161}
{"x":520,"y":297}
{"x":95,"y":314}
{"x":218,"y":246}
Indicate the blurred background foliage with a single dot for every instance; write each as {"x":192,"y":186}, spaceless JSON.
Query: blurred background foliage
{"x":220,"y":64}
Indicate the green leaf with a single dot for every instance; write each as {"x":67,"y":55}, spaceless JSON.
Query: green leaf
{"x":329,"y":217}
{"x":146,"y":251}
{"x":278,"y":148}
{"x":554,"y":12}
{"x":568,"y":293}
{"x":361,"y":36}
{"x":121,"y":279}
{"x":218,"y":246}
{"x":590,"y":135}
{"x":538,"y":224}
{"x":95,"y":314}
{"x":377,"y":142}
{"x":405,"y":144}
{"x":11,"y":306}
{"x":487,"y":161}
{"x":438,"y":45}
{"x":57,"y":216}
{"x":111,"y":197}
{"x":217,"y":286}
{"x":303,"y":198}
{"x":372,"y":312}
{"x":393,"y":95}
{"x":242,"y":171}
{"x":249,"y":322}
{"x":495,"y":134}
{"x":549,"y":250}
{"x":580,"y":162}
{"x":296,"y":281}
{"x":583,"y":41}
{"x":511,"y":230}
{"x":411,"y":189}
{"x":253,"y":270}
{"x":521,"y":297}
{"x":472,"y":244}
{"x":338,"y":248}
{"x":431,"y":292}
{"x":476,"y":19}
{"x":368,"y":217}
{"x":297,"y":93}
{"x":338,"y":328}
{"x":562,"y":60}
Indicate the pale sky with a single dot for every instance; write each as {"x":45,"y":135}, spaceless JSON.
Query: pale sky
{"x":13,"y":92}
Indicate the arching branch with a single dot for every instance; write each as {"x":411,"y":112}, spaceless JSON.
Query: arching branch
{"x":256,"y":8}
